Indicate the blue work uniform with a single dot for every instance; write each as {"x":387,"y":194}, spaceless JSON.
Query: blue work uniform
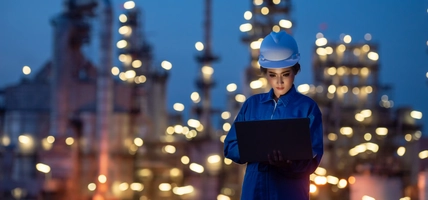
{"x":267,"y":182}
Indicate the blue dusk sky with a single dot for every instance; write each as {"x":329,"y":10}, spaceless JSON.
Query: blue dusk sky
{"x":173,"y":27}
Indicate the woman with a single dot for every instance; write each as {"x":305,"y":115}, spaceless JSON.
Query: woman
{"x":278,"y":178}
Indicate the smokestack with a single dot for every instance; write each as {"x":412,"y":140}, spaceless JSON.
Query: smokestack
{"x":104,"y":97}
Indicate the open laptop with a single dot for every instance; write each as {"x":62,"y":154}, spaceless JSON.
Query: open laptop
{"x":257,"y":139}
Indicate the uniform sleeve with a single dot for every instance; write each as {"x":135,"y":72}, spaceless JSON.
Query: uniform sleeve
{"x":230,"y":143}
{"x":317,"y":136}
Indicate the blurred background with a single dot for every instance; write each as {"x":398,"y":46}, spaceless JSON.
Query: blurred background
{"x":117,"y":99}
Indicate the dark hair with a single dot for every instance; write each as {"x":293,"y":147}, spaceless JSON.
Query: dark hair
{"x":295,"y":68}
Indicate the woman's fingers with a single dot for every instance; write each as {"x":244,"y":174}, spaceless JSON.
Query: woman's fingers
{"x":280,"y":158}
{"x":275,"y":158}
{"x":270,"y":159}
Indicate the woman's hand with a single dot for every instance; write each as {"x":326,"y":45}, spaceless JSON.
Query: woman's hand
{"x":276,"y":159}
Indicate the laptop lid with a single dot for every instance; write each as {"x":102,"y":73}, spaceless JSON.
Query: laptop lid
{"x":257,"y":139}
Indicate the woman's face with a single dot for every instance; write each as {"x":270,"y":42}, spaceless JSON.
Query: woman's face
{"x":280,"y":80}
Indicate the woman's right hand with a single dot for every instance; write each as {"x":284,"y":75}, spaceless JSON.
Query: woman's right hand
{"x":275,"y":158}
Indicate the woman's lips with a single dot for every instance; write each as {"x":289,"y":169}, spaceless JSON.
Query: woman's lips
{"x":279,"y":88}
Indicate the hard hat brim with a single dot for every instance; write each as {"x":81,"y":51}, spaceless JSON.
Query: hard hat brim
{"x":278,"y":64}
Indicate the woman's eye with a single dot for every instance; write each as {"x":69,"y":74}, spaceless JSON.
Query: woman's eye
{"x":272,"y":75}
{"x":286,"y":74}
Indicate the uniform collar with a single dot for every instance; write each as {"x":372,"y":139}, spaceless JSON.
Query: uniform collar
{"x":284,"y":98}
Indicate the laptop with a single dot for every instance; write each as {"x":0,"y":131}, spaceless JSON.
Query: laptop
{"x":257,"y":139}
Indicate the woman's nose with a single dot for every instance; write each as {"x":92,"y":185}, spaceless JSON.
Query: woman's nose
{"x":279,"y":80}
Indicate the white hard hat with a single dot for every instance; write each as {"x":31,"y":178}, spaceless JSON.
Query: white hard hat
{"x":278,"y":50}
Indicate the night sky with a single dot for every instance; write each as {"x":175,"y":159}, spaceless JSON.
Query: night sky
{"x":173,"y":27}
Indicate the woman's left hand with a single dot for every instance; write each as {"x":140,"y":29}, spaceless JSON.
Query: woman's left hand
{"x":276,"y":159}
